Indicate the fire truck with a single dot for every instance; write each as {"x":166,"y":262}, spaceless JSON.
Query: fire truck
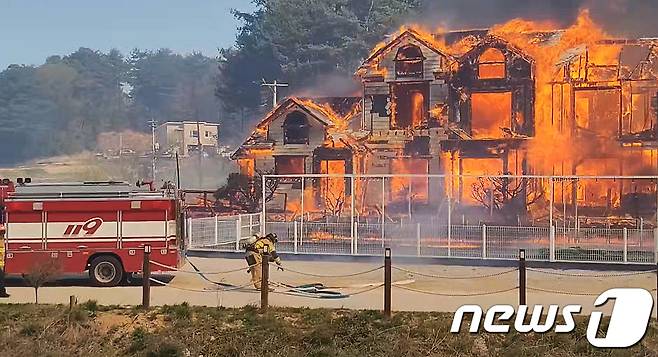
{"x":99,"y":227}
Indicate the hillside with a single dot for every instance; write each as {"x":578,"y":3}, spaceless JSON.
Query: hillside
{"x":87,"y":166}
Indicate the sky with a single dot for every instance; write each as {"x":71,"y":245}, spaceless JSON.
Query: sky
{"x":31,"y":30}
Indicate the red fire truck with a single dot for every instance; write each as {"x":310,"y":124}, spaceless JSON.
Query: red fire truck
{"x":99,"y":227}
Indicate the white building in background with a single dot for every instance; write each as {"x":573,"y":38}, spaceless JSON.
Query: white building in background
{"x":187,"y":136}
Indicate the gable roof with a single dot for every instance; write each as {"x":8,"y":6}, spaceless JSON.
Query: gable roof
{"x":314,"y":111}
{"x":404,"y":34}
{"x":327,"y":114}
{"x":495,"y":41}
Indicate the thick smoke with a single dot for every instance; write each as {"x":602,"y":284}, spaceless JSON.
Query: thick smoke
{"x":618,"y":17}
{"x":331,"y":85}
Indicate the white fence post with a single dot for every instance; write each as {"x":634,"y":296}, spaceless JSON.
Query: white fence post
{"x":484,"y":241}
{"x":294,"y":227}
{"x":301,"y":219}
{"x":655,"y":245}
{"x":356,"y":238}
{"x":641,"y":231}
{"x":262,"y":213}
{"x":418,"y":239}
{"x":551,"y":243}
{"x":383,"y":210}
{"x":625,"y":244}
{"x":216,"y":232}
{"x":449,"y":224}
{"x":352,"y":209}
{"x":301,"y":230}
{"x":238,"y":232}
{"x":189,"y":232}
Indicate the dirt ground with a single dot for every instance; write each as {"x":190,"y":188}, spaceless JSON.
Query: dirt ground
{"x":193,"y":289}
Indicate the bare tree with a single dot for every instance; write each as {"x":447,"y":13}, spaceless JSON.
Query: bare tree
{"x":334,"y":201}
{"x":40,"y":273}
{"x":506,"y":195}
{"x":246,"y":192}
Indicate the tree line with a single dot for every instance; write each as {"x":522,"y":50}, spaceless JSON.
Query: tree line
{"x":61,"y":106}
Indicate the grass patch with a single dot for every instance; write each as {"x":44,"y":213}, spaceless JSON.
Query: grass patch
{"x":183,"y":330}
{"x":178,"y":312}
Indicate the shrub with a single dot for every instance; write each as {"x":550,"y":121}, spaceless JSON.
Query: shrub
{"x":178,"y":312}
{"x":30,"y":329}
{"x":165,"y":349}
{"x":138,"y":340}
{"x":90,"y":305}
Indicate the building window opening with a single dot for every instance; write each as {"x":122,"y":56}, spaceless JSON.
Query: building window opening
{"x":409,"y":62}
{"x":247,"y":167}
{"x":491,"y":115}
{"x":410,"y":109}
{"x":289,"y":165}
{"x":295,"y":128}
{"x":491,"y":64}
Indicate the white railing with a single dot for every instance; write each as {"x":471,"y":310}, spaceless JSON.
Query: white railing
{"x":429,"y":239}
{"x":222,"y":233}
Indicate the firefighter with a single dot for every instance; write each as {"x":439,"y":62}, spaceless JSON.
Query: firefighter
{"x":3,"y":290}
{"x":254,"y":247}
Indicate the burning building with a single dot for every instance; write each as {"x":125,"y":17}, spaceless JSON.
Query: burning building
{"x":517,"y":99}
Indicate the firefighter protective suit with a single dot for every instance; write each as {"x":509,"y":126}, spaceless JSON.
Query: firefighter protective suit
{"x":254,"y":248}
{"x":3,"y":290}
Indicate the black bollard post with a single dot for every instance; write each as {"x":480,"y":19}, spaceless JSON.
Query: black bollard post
{"x":522,"y":278}
{"x":264,"y":282}
{"x":146,"y":277}
{"x":387,"y":283}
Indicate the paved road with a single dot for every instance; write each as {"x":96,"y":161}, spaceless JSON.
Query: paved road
{"x":191,"y":288}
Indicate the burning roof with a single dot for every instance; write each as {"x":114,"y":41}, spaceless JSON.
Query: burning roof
{"x":419,"y":35}
{"x":495,"y":42}
{"x":334,"y":113}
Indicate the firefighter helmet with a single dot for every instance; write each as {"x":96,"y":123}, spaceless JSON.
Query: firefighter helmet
{"x":272,"y":237}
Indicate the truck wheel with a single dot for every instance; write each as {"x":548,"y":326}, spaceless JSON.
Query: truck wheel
{"x":106,"y":271}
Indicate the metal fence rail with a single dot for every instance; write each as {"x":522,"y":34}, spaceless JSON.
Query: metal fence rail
{"x":221,"y":232}
{"x":553,"y":218}
{"x":431,"y":239}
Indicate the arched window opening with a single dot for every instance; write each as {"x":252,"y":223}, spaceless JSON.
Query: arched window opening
{"x":295,"y":128}
{"x":491,"y":64}
{"x":409,"y":62}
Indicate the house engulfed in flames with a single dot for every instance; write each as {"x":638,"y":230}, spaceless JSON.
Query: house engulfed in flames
{"x":517,"y":99}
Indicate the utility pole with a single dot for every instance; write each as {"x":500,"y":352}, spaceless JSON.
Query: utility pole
{"x":153,"y":124}
{"x":274,"y":86}
{"x":120,"y":144}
